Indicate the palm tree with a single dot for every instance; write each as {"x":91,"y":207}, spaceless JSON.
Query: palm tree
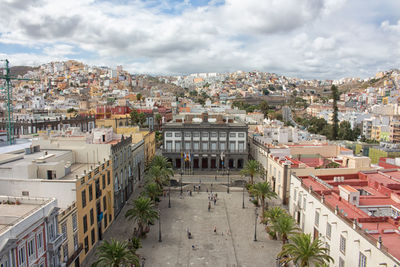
{"x":272,"y":214}
{"x":158,"y":175}
{"x":152,"y":190}
{"x":263,"y":190}
{"x":303,"y":251}
{"x":252,"y":167}
{"x":115,"y":254}
{"x":162,"y":162}
{"x":142,"y":213}
{"x":284,"y":226}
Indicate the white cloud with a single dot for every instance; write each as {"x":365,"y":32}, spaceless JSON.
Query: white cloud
{"x":307,"y":38}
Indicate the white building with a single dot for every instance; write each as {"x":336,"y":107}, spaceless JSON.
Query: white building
{"x":351,"y":214}
{"x":28,"y":232}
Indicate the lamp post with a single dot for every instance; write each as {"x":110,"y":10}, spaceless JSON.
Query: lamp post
{"x":227,"y":190}
{"x":169,"y":194}
{"x":159,"y":226}
{"x":255,"y":226}
{"x":243,"y":198}
{"x":181,"y":181}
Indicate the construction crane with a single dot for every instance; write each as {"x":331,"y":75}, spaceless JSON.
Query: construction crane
{"x":8,"y":91}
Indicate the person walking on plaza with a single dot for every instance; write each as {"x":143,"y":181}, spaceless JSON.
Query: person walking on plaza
{"x":215,"y":229}
{"x":215,"y":201}
{"x":209,"y":205}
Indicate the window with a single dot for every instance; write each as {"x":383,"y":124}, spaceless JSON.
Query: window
{"x":343,"y":244}
{"x":83,"y":198}
{"x":31,"y":248}
{"x":108,"y":177}
{"x":214,"y":134}
{"x":21,"y":255}
{"x":222,"y":134}
{"x":178,"y":134}
{"x":91,"y":217}
{"x":204,"y":146}
{"x":169,"y":145}
{"x":51,"y":231}
{"x":104,"y":202}
{"x":241,"y":146}
{"x":213,"y":146}
{"x":74,"y":222}
{"x":362,"y":260}
{"x":64,"y":230}
{"x":93,"y":237}
{"x":168,"y":134}
{"x":328,"y":230}
{"x":204,"y":134}
{"x":85,"y":226}
{"x":65,"y":251}
{"x":105,"y":221}
{"x":196,"y":134}
{"x":86,"y":245}
{"x":328,"y":248}
{"x":76,"y":245}
{"x":295,"y":195}
{"x":341,"y":262}
{"x":103,"y":179}
{"x":39,"y":238}
{"x":177,"y":145}
{"x":232,"y":146}
{"x":241,"y":135}
{"x":232,"y":134}
{"x":187,"y":146}
{"x":222,"y":146}
{"x":187,"y":134}
{"x":316,"y":219}
{"x":304,"y":202}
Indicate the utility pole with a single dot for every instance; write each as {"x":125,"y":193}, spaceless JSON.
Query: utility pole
{"x":8,"y":91}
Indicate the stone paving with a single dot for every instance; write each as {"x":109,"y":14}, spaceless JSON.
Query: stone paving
{"x":232,"y":245}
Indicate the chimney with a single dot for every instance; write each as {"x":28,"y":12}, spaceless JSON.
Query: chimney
{"x":379,"y":243}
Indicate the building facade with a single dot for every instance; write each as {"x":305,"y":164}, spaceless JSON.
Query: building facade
{"x":353,"y":215}
{"x":29,"y":232}
{"x":201,"y":144}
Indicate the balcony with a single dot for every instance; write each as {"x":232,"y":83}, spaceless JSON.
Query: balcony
{"x":75,"y":255}
{"x":55,"y":243}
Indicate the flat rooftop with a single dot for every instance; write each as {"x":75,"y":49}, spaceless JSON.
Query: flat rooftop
{"x":12,"y":211}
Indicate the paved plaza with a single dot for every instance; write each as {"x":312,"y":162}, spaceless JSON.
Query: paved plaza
{"x":232,"y":245}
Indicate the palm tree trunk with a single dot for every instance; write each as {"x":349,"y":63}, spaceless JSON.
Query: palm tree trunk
{"x":262,"y":204}
{"x":251,"y":176}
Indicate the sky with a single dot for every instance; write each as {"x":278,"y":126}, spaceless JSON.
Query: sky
{"x":311,"y":39}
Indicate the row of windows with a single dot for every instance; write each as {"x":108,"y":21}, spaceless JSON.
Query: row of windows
{"x":31,"y":245}
{"x":205,"y":134}
{"x":97,"y":186}
{"x":206,"y":146}
{"x":93,"y":234}
{"x":91,"y":215}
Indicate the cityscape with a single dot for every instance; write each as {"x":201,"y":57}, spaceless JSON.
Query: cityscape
{"x":199,"y":133}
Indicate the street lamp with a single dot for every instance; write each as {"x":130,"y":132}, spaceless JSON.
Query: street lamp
{"x":169,"y":194}
{"x":255,"y":227}
{"x":243,"y":198}
{"x":159,"y":226}
{"x":181,"y":181}
{"x":227,"y":190}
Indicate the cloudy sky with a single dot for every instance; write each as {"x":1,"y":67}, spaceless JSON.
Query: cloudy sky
{"x":325,"y":39}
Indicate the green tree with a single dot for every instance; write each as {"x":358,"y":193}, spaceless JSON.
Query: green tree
{"x":304,"y":252}
{"x":142,"y":213}
{"x":272,"y":214}
{"x":284,"y":226}
{"x":193,"y":93}
{"x":158,"y":119}
{"x":335,"y":119}
{"x":152,"y":190}
{"x":139,"y":97}
{"x":142,"y":119}
{"x":158,"y":175}
{"x":134,"y":244}
{"x":251,"y":168}
{"x":115,"y":254}
{"x":264,"y":107}
{"x":262,"y":191}
{"x":134,"y":117}
{"x":71,"y":110}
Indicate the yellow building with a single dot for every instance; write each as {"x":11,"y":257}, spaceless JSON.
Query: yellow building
{"x":376,"y":132}
{"x":149,"y":145}
{"x":95,"y":198}
{"x":71,"y":248}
